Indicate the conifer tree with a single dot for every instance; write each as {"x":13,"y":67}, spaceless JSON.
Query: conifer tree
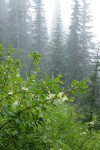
{"x":74,"y":55}
{"x":39,"y":32}
{"x":89,"y":104}
{"x":3,"y":23}
{"x":86,"y":37}
{"x":39,"y":28}
{"x":79,"y":42}
{"x":57,"y":55}
{"x":18,"y":23}
{"x":19,"y":27}
{"x":93,"y":95}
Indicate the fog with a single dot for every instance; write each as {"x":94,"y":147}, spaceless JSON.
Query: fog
{"x":64,"y":34}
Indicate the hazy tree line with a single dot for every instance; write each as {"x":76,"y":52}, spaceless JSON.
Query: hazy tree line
{"x":23,"y":25}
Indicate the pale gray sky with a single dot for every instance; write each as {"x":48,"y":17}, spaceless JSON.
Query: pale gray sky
{"x":65,"y":8}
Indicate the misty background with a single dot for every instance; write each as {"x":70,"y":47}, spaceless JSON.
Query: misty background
{"x":65,"y":38}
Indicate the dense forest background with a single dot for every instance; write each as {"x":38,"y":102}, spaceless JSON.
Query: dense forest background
{"x":72,"y":61}
{"x":23,"y":25}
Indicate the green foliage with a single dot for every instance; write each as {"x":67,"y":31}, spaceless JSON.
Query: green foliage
{"x":63,"y":131}
{"x":88,"y":104}
{"x":36,"y":114}
{"x":35,"y":57}
{"x":1,"y":47}
{"x":22,"y":101}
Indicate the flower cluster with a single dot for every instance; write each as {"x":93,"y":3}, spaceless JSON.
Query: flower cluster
{"x":60,"y":97}
{"x":10,"y":93}
{"x":25,"y":89}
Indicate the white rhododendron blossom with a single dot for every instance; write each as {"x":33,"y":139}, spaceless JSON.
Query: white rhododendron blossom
{"x":10,"y":93}
{"x":8,"y":57}
{"x":64,"y":98}
{"x":17,"y":75}
{"x":92,"y":122}
{"x":33,"y":80}
{"x":50,"y":96}
{"x":60,"y":94}
{"x":25,"y":89}
{"x":84,"y":133}
{"x":60,"y":97}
